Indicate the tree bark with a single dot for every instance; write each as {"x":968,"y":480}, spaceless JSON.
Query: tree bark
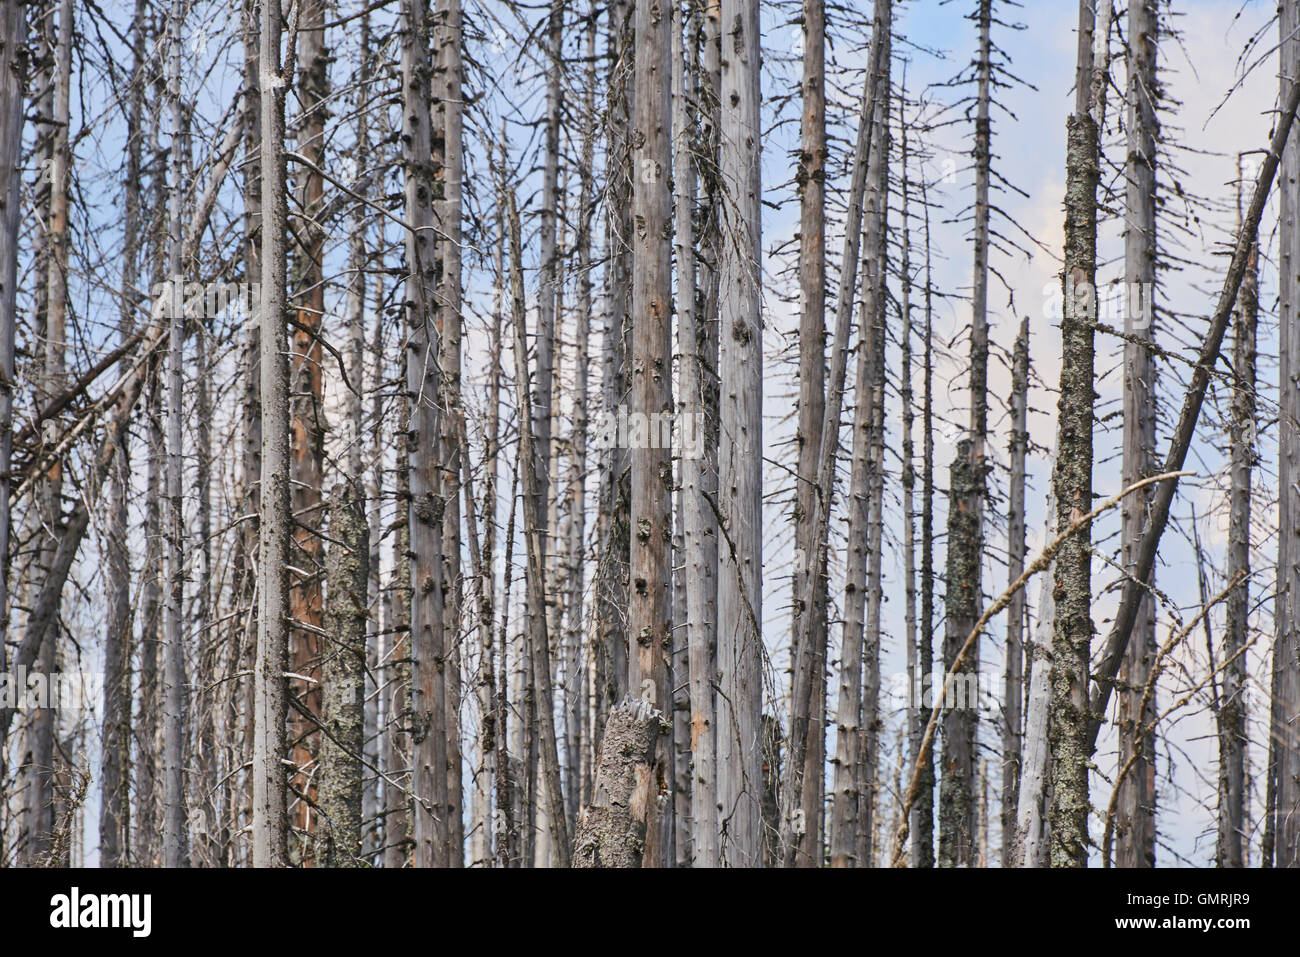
{"x":270,"y":749}
{"x":740,"y":454}
{"x":1135,"y":817}
{"x":347,"y":574}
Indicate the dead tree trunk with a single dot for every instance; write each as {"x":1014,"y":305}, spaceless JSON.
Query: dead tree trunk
{"x":1135,"y":811}
{"x":964,"y":596}
{"x":1013,"y":683}
{"x":1284,"y":736}
{"x":740,"y":454}
{"x":1233,"y":743}
{"x":612,"y":830}
{"x":270,"y":749}
{"x":347,"y":574}
{"x":1072,"y":478}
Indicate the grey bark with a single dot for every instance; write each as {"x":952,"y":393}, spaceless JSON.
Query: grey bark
{"x":1135,"y":810}
{"x":740,"y":451}
{"x":650,"y":592}
{"x":1233,"y":742}
{"x":270,"y":748}
{"x":1284,"y":734}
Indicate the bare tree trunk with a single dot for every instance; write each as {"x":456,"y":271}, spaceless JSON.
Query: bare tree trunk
{"x":14,"y":68}
{"x":612,"y":832}
{"x":347,"y":574}
{"x":804,"y":672}
{"x":1135,"y":811}
{"x":447,"y":121}
{"x":855,"y":752}
{"x":539,"y":651}
{"x":698,"y":335}
{"x":1013,"y":683}
{"x":175,"y":844}
{"x":922,"y":822}
{"x":39,"y":813}
{"x":915,"y":726}
{"x":650,"y":595}
{"x":1284,"y":736}
{"x":431,"y":828}
{"x":1072,"y":478}
{"x":307,"y":425}
{"x":811,"y":179}
{"x":270,"y":749}
{"x":964,"y":597}
{"x":115,"y":756}
{"x":611,"y":647}
{"x":1233,"y":742}
{"x":740,"y":454}
{"x":875,"y":302}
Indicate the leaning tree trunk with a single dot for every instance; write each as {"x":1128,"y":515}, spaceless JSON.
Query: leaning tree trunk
{"x":537,"y":639}
{"x":740,"y":453}
{"x":820,"y":520}
{"x":1135,"y":820}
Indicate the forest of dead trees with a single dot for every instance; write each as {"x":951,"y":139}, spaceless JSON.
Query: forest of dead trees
{"x":633,"y":433}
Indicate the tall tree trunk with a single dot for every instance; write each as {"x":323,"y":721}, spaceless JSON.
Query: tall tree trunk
{"x":875,"y":270}
{"x":270,"y":749}
{"x":175,"y":845}
{"x":538,"y":642}
{"x":1135,"y":811}
{"x":698,"y":332}
{"x":39,"y":813}
{"x":13,"y":81}
{"x":922,"y":823}
{"x":740,"y":454}
{"x":1233,"y":742}
{"x":448,"y":174}
{"x":1072,"y":477}
{"x":964,"y":597}
{"x":431,"y":828}
{"x":843,"y":817}
{"x":611,"y":646}
{"x":1013,"y":683}
{"x":650,"y":595}
{"x":811,"y":179}
{"x":115,"y":756}
{"x":307,"y":423}
{"x":1286,"y":647}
